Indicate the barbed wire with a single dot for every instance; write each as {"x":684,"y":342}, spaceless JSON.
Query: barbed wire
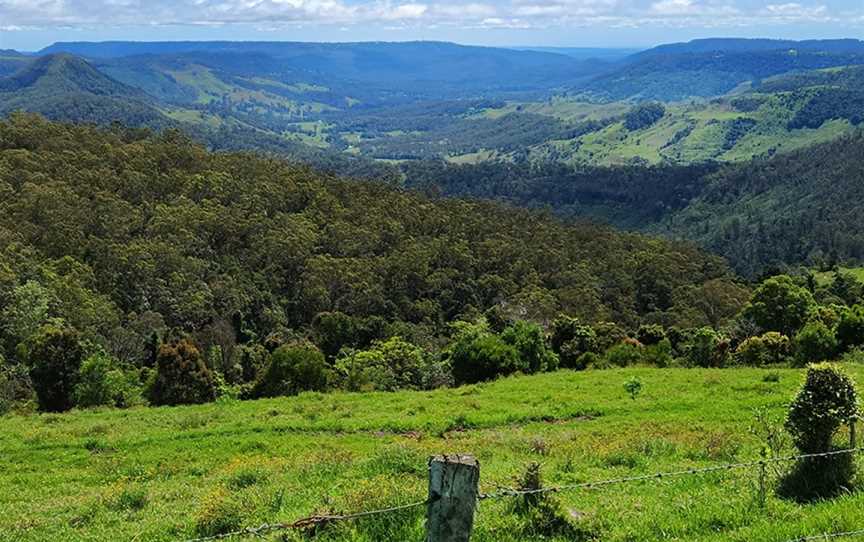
{"x":827,"y":536}
{"x":308,"y":522}
{"x":509,"y":492}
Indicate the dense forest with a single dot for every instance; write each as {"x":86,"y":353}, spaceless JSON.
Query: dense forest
{"x":132,"y":240}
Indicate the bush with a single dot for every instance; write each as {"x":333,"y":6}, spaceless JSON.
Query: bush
{"x":659,"y":354}
{"x":541,"y":514}
{"x":54,"y":355}
{"x":102,"y":383}
{"x":623,"y":354}
{"x":770,"y":348}
{"x":528,"y":340}
{"x":707,"y":348}
{"x":477,"y":355}
{"x":571,"y":339}
{"x":293,"y":368}
{"x":181,"y":377}
{"x":16,"y":388}
{"x":826,"y":401}
{"x":650,"y":334}
{"x":815,"y":342}
{"x":390,"y":365}
{"x":850,"y":328}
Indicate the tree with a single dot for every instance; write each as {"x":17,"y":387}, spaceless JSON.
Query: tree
{"x":778,"y":304}
{"x":103,"y":383}
{"x":182,"y":376}
{"x":54,"y":355}
{"x":644,"y":115}
{"x":850,"y":328}
{"x":389,"y":365}
{"x":476,"y":355}
{"x":530,"y":344}
{"x":293,"y":368}
{"x":815,"y":342}
{"x":707,"y":348}
{"x":570,"y":339}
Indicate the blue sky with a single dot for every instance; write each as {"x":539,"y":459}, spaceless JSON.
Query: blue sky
{"x":32,"y":24}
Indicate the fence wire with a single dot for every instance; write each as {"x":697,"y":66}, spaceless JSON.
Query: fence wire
{"x":317,"y":520}
{"x":828,"y":536}
{"x":509,"y":492}
{"x":308,"y":522}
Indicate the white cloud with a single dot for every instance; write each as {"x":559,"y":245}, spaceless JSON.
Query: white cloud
{"x":429,"y":13}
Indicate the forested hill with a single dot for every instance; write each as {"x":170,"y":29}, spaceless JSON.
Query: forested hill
{"x":798,"y":208}
{"x":119,"y":234}
{"x":713,"y":67}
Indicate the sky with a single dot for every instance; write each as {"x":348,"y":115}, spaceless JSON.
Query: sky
{"x":32,"y":24}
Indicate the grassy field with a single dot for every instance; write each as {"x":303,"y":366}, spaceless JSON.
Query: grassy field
{"x":164,"y":473}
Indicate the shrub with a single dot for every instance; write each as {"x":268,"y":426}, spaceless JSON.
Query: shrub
{"x":850,"y":328}
{"x":623,"y":355}
{"x":54,"y":355}
{"x":826,"y":401}
{"x":772,"y":347}
{"x":633,"y":387}
{"x":707,"y":348}
{"x":541,"y":514}
{"x":650,"y":334}
{"x":658,"y":354}
{"x":15,"y":387}
{"x":571,"y":339}
{"x":101,"y":383}
{"x":477,"y":355}
{"x":293,"y":368}
{"x":528,"y":340}
{"x":389,"y":365}
{"x":219,"y":513}
{"x":182,"y":377}
{"x":815,"y":342}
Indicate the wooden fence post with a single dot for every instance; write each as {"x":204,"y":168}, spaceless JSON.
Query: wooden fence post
{"x":453,"y":481}
{"x":853,"y":439}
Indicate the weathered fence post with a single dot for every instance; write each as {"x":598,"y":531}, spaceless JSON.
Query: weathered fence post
{"x":853,"y":437}
{"x":453,"y":483}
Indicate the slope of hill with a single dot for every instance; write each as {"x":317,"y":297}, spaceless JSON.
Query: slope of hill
{"x":432,"y":68}
{"x":158,"y":225}
{"x":708,"y":68}
{"x":802,"y":207}
{"x":65,"y":87}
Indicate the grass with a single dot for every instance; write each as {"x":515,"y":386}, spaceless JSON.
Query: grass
{"x":160,"y":474}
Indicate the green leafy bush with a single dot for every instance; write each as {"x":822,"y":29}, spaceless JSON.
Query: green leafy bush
{"x":181,"y":377}
{"x":650,"y":334}
{"x":850,"y":328}
{"x":293,"y":368}
{"x":826,"y":401}
{"x":54,"y":355}
{"x":815,"y":342}
{"x":624,"y":354}
{"x":707,"y":348}
{"x":102,"y":383}
{"x":770,"y":348}
{"x":570,"y":339}
{"x":389,"y":365}
{"x":476,"y":355}
{"x":530,"y":344}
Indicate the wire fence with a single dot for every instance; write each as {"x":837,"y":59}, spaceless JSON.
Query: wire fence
{"x":324,"y":519}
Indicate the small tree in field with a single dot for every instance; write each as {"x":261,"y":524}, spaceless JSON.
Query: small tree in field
{"x":826,"y":401}
{"x":182,"y":376}
{"x":54,"y":355}
{"x":293,"y":368}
